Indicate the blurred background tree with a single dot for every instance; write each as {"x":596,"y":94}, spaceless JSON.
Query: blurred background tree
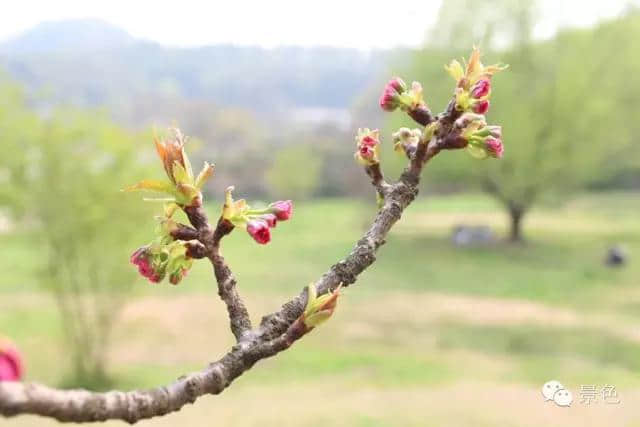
{"x":70,"y":167}
{"x":559,"y":117}
{"x":295,"y":172}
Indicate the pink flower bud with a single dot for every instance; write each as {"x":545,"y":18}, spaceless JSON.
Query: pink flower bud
{"x":270,"y":219}
{"x":389,"y":100}
{"x":480,"y":107}
{"x":11,"y":364}
{"x":494,"y":147}
{"x":481,"y":88}
{"x":366,"y":152}
{"x":143,"y":260}
{"x":369,"y":141}
{"x":282,"y":209}
{"x":397,"y":84}
{"x":259,"y":230}
{"x":389,"y":97}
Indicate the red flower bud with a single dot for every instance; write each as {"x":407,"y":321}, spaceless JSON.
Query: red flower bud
{"x":11,"y":365}
{"x":366,"y":152}
{"x":282,"y":209}
{"x":389,"y":100}
{"x":389,"y":97}
{"x":270,"y":219}
{"x":369,"y":141}
{"x":494,"y":147}
{"x":480,"y":107}
{"x":142,"y":259}
{"x":259,"y":230}
{"x":481,"y":88}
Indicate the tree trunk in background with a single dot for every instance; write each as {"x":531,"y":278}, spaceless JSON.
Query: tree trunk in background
{"x":516,"y":213}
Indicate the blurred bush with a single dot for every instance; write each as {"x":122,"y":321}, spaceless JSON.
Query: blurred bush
{"x":64,"y":175}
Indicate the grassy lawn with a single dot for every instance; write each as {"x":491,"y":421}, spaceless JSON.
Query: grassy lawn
{"x":430,"y":335}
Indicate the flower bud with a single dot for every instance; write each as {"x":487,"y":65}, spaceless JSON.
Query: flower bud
{"x":481,"y":89}
{"x":397,"y":84}
{"x":11,"y":362}
{"x":142,"y":259}
{"x":494,"y":147}
{"x":367,"y":146}
{"x":282,"y":209}
{"x":259,"y":230}
{"x":480,"y":107}
{"x":390,"y":98}
{"x":270,"y":219}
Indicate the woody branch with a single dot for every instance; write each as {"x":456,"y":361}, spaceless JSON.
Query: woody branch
{"x":172,"y":252}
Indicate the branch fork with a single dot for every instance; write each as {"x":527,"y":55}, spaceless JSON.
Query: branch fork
{"x":279,"y":330}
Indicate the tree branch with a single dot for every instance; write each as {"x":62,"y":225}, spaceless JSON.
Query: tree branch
{"x":277,"y":331}
{"x":211,"y":239}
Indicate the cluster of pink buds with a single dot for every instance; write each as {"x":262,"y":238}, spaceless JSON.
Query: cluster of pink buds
{"x":257,"y":222}
{"x":397,"y":95}
{"x":481,"y":140}
{"x":367,"y":146}
{"x":11,"y":362}
{"x":473,"y":83}
{"x":157,"y":260}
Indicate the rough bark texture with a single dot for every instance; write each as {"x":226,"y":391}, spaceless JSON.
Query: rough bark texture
{"x":277,"y":331}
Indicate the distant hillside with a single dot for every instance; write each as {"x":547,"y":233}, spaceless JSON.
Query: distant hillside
{"x":91,"y":63}
{"x":68,"y":36}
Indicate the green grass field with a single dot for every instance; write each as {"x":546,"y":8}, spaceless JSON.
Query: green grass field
{"x":430,"y":335}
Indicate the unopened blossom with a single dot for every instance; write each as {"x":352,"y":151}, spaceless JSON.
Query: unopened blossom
{"x":259,"y":230}
{"x":494,"y":147}
{"x":367,"y":143}
{"x":282,"y":209}
{"x":270,"y":219}
{"x":481,"y":89}
{"x":11,"y":362}
{"x":142,"y":258}
{"x":473,"y":82}
{"x":390,"y":98}
{"x":480,"y":107}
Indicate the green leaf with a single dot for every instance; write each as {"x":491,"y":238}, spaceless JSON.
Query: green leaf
{"x":153,"y":185}
{"x":204,"y":175}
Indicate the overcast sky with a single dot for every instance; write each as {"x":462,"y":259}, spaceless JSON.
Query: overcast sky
{"x":360,"y":23}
